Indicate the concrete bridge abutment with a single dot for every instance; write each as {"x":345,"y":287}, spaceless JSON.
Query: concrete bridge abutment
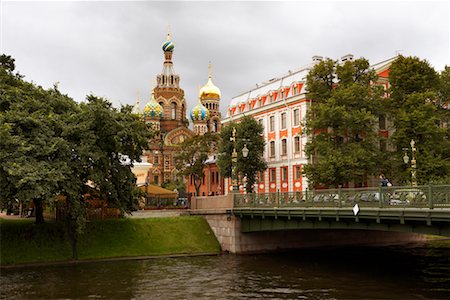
{"x":227,"y":228}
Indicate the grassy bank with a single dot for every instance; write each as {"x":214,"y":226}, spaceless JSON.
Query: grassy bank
{"x":24,"y":242}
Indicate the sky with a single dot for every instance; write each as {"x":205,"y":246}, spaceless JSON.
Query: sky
{"x":113,"y":49}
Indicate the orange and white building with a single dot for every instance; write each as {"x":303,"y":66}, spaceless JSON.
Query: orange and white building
{"x":281,"y":105}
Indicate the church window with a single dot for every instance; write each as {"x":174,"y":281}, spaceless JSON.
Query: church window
{"x":171,"y":79}
{"x":174,"y":111}
{"x":215,"y":127}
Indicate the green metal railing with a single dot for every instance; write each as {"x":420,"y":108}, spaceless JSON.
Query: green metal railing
{"x":427,"y":196}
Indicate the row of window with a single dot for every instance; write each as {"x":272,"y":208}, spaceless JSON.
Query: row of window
{"x":284,"y":146}
{"x":173,"y":110}
{"x":283,"y":120}
{"x":283,"y":174}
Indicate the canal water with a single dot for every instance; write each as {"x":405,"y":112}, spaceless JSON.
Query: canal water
{"x":395,"y":272}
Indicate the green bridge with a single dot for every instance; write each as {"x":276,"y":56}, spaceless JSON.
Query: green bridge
{"x":418,"y":209}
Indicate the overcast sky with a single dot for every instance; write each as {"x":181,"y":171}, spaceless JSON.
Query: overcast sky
{"x":113,"y":49}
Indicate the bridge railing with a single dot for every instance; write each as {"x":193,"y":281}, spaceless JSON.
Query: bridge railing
{"x":427,"y":196}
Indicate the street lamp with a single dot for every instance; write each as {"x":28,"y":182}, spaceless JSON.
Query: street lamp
{"x":413,"y":161}
{"x":234,"y":155}
{"x":245,"y":151}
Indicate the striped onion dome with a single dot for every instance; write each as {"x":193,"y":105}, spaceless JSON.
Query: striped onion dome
{"x":199,"y":113}
{"x":168,"y":45}
{"x":153,"y":109}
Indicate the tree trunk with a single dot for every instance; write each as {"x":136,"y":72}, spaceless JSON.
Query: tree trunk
{"x":197,"y":184}
{"x":38,"y":211}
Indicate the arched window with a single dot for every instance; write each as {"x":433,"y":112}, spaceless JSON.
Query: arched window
{"x":173,"y":111}
{"x":215,"y":126}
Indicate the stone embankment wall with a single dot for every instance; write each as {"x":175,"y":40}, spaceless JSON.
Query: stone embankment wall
{"x":227,"y":229}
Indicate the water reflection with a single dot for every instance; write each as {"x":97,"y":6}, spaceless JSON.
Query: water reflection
{"x":351,"y":273}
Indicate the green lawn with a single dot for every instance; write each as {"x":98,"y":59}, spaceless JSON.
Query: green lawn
{"x":24,"y":242}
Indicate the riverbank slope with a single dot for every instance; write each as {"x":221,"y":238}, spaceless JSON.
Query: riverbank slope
{"x":23,"y":242}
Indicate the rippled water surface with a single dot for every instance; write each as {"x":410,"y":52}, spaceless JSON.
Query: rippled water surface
{"x":405,"y":272}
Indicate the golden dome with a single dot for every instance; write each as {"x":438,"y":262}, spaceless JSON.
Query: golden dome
{"x":209,"y":91}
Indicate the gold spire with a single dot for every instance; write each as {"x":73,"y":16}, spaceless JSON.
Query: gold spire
{"x":209,"y":70}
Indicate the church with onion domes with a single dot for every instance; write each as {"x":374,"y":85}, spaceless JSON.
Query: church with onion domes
{"x":166,"y":113}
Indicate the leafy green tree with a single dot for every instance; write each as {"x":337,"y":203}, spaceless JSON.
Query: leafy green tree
{"x":249,"y":133}
{"x":192,"y":155}
{"x":51,"y":146}
{"x":33,"y":153}
{"x":344,"y":111}
{"x":417,"y":109}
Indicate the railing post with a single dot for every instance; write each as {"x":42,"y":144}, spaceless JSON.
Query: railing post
{"x":339,"y":196}
{"x":380,"y":198}
{"x":430,"y":197}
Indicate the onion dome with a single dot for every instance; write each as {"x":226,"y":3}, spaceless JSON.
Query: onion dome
{"x":168,"y":45}
{"x":153,"y":109}
{"x":199,"y":113}
{"x":209,"y":90}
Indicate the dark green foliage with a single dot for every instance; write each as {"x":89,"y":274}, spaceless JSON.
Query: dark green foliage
{"x":192,"y":155}
{"x":341,"y":120}
{"x":52,"y":146}
{"x":248,"y":132}
{"x":417,"y":108}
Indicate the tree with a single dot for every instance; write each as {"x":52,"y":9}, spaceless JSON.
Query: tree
{"x":51,"y":146}
{"x":33,"y":154}
{"x":345,"y":107}
{"x":417,"y":109}
{"x":249,"y":133}
{"x":192,"y":155}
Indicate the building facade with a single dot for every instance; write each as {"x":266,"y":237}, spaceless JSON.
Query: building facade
{"x":281,"y":106}
{"x":166,"y":113}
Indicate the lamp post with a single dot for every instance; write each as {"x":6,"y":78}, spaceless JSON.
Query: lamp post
{"x":413,"y":161}
{"x":234,"y":180}
{"x":234,"y":155}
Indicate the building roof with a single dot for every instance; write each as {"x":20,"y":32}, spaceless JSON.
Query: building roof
{"x":273,"y":84}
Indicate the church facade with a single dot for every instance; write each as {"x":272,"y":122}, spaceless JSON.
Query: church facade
{"x":166,"y":113}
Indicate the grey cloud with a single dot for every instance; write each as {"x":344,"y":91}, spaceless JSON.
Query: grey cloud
{"x":113,"y":49}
